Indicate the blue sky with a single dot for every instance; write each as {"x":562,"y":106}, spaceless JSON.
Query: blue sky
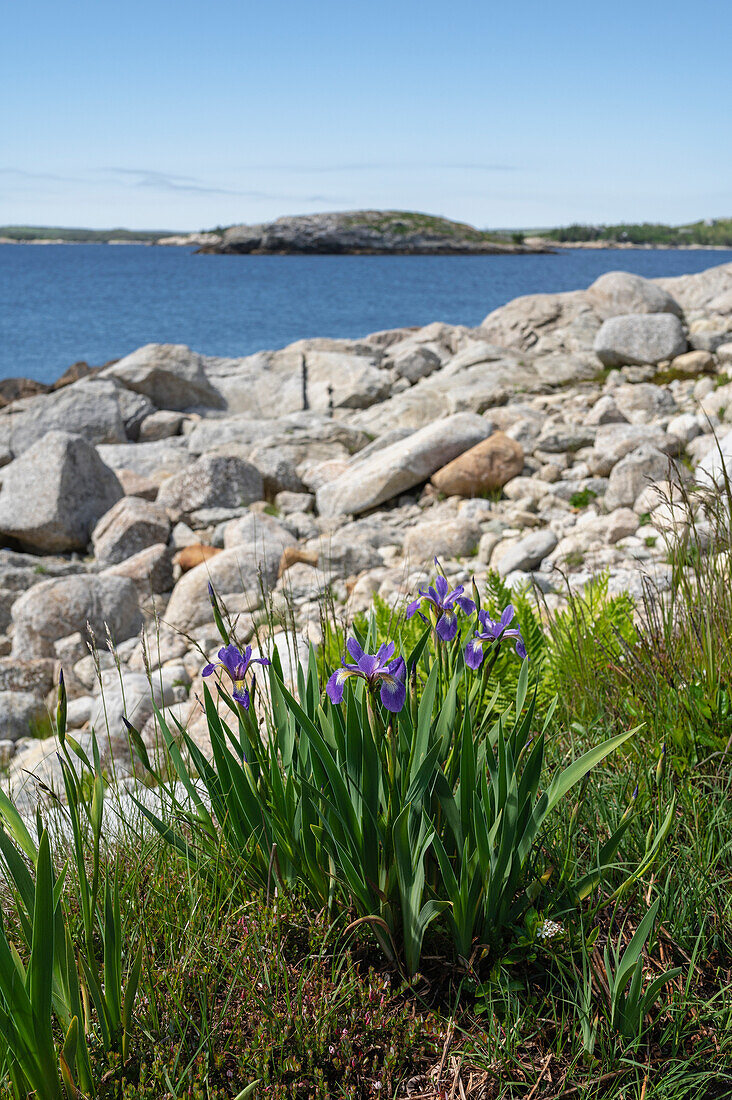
{"x":187,"y":115}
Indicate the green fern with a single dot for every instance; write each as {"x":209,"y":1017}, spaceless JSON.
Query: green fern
{"x":587,"y":643}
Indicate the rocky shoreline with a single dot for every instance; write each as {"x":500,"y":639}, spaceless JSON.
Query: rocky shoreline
{"x":534,"y":444}
{"x":363,"y":232}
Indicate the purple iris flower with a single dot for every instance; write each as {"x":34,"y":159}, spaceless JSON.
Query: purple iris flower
{"x":442,"y":603}
{"x":378,"y":668}
{"x":490,"y":631}
{"x":236,"y":663}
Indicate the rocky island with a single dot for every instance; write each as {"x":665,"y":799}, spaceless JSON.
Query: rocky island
{"x":535,"y":445}
{"x":365,"y":232}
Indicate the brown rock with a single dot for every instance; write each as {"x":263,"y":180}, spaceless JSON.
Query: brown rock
{"x":293,"y":554}
{"x":78,"y":370}
{"x":484,"y":468}
{"x":191,"y":556}
{"x":13,"y":389}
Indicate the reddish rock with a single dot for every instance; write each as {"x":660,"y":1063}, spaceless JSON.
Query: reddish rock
{"x":293,"y":554}
{"x":191,"y":556}
{"x":485,"y":468}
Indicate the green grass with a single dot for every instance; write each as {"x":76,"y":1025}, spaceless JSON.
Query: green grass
{"x":262,"y":987}
{"x":582,"y":498}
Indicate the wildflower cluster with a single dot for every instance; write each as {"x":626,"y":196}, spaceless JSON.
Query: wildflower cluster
{"x":380,"y":670}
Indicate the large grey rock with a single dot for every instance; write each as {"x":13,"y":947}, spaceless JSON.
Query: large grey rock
{"x":21,"y":715}
{"x":443,"y":538}
{"x":639,"y":338}
{"x":633,"y":473}
{"x":544,"y":323}
{"x":528,"y":553}
{"x":33,"y":677}
{"x":701,"y":291}
{"x":261,"y":535}
{"x":643,"y":402}
{"x":401,"y":466}
{"x":614,"y":441}
{"x":346,"y":372}
{"x":93,"y":408}
{"x":131,"y":525}
{"x":213,"y":481}
{"x":620,"y":292}
{"x":56,"y":608}
{"x":278,"y":467}
{"x":154,"y":460}
{"x":150,"y":570}
{"x":413,"y":361}
{"x":55,"y":492}
{"x":343,"y":557}
{"x":170,"y":375}
{"x":235,"y":574}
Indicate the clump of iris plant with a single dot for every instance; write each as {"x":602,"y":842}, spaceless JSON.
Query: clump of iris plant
{"x":489,"y":631}
{"x":441,"y":604}
{"x":236,"y":663}
{"x":380,"y":670}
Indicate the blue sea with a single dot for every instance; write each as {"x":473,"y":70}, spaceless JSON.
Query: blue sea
{"x":63,"y":303}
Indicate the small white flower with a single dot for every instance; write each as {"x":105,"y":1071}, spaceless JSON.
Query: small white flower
{"x":548,"y":929}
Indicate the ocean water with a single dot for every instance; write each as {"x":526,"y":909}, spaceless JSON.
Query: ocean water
{"x":62,"y":303}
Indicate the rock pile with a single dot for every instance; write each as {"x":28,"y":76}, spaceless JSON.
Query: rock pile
{"x":534,"y":444}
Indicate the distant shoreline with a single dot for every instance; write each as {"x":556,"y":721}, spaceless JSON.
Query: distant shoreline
{"x":552,"y":247}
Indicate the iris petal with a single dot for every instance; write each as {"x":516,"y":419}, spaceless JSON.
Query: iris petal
{"x":393,"y":693}
{"x":334,"y":687}
{"x":442,"y":586}
{"x":241,"y":695}
{"x":447,"y":625}
{"x":507,"y":615}
{"x":368,"y":664}
{"x":354,"y":649}
{"x":208,"y":670}
{"x":474,"y":654}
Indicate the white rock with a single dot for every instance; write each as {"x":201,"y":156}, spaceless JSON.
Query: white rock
{"x":716,"y":465}
{"x":685,"y":427}
{"x":456,"y":538}
{"x":614,"y":441}
{"x":631,"y":475}
{"x":619,"y":292}
{"x":639,"y":338}
{"x":643,"y":402}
